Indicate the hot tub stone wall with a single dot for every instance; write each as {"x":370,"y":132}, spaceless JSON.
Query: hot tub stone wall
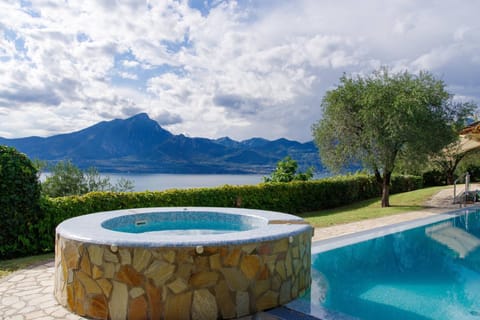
{"x":108,"y":282}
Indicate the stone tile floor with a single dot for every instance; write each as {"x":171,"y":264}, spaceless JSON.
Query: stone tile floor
{"x":28,"y":293}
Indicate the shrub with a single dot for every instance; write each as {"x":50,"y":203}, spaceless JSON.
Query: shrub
{"x":66,"y":179}
{"x":294,"y":197}
{"x":434,"y":178}
{"x":474,"y":171}
{"x":19,"y":204}
{"x":287,"y":171}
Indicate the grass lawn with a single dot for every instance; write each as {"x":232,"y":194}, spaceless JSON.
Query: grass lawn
{"x":368,"y":209}
{"x":9,"y":266}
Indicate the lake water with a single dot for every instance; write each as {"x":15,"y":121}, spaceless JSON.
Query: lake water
{"x":158,"y":182}
{"x":163,"y":181}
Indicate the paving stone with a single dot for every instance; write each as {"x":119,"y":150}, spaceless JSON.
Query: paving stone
{"x":204,"y":306}
{"x":136,"y":292}
{"x":250,"y":265}
{"x":141,"y":258}
{"x":42,"y":300}
{"x":28,"y":286}
{"x":267,"y":301}
{"x":35,"y":314}
{"x":60,"y":313}
{"x":19,"y":305}
{"x":129,"y":275}
{"x":178,"y":306}
{"x":118,"y":301}
{"x":10,"y":301}
{"x":16,"y":278}
{"x":235,"y":279}
{"x":178,"y":286}
{"x":10,"y":312}
{"x":225,"y":300}
{"x":204,"y":279}
{"x":242,"y":302}
{"x":27,"y":310}
{"x":96,"y":254}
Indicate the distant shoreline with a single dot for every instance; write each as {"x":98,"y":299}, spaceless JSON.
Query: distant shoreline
{"x":165,"y":181}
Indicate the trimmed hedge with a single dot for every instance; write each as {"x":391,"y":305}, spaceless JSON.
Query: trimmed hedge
{"x":19,"y":197}
{"x":293,"y":197}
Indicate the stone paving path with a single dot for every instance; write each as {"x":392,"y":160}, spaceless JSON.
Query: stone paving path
{"x":28,"y":293}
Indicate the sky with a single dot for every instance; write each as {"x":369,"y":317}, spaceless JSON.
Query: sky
{"x":216,"y":68}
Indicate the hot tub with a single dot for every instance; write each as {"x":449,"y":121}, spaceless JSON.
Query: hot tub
{"x":181,"y":263}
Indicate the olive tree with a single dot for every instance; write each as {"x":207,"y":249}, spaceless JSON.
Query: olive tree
{"x":384,"y":117}
{"x":67,"y":179}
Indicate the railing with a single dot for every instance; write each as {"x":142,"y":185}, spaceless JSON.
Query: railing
{"x":461,"y":198}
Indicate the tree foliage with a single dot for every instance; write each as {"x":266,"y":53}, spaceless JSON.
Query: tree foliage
{"x":384,"y":118}
{"x":66,"y":179}
{"x":286,"y":171}
{"x":450,"y":157}
{"x":19,"y":202}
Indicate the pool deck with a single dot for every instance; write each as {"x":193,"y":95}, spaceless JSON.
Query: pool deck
{"x":28,"y":293}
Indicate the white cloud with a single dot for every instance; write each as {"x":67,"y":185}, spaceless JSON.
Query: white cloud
{"x":238,"y":69}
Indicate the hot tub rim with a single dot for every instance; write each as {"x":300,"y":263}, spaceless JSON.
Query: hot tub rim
{"x":94,"y":233}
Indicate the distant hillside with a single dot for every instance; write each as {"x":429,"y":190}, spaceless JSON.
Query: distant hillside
{"x":138,"y":144}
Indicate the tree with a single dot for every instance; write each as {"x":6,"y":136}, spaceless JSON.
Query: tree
{"x":286,"y":171}
{"x":448,"y":159}
{"x":67,"y":179}
{"x":19,"y":203}
{"x":382,"y":118}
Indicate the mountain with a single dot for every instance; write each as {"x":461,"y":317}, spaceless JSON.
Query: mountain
{"x":138,"y":144}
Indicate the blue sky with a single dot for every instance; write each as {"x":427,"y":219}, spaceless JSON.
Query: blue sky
{"x":217,"y":68}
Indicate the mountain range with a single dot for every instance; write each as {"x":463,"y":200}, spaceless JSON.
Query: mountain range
{"x":139,"y":145}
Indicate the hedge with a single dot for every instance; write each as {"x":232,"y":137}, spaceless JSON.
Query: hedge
{"x":294,"y":197}
{"x":19,"y":197}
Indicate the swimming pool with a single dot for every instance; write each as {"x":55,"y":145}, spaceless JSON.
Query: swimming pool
{"x":428,"y":269}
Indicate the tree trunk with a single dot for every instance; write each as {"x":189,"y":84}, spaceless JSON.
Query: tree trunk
{"x":450,"y":177}
{"x":385,"y":183}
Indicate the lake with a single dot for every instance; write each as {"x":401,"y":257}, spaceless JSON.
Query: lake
{"x":160,"y":181}
{"x":164,"y":181}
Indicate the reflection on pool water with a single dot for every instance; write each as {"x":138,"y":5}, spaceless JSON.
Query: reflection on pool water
{"x":428,"y":272}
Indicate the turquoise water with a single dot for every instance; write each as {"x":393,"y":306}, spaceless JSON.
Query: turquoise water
{"x":182,"y":223}
{"x":430,"y":272}
{"x":190,"y":227}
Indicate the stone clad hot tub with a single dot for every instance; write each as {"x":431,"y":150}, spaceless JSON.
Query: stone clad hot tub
{"x":180,"y":263}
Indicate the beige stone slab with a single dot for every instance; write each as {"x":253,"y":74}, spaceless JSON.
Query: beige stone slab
{"x":349,"y":228}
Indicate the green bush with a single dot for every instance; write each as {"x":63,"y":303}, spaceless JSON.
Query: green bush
{"x":474,"y":171}
{"x":66,"y":179}
{"x":434,"y":178}
{"x":19,"y":204}
{"x":294,"y":197}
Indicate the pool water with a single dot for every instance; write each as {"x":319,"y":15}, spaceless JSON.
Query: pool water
{"x":190,"y":227}
{"x":429,"y":272}
{"x":183,"y":223}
